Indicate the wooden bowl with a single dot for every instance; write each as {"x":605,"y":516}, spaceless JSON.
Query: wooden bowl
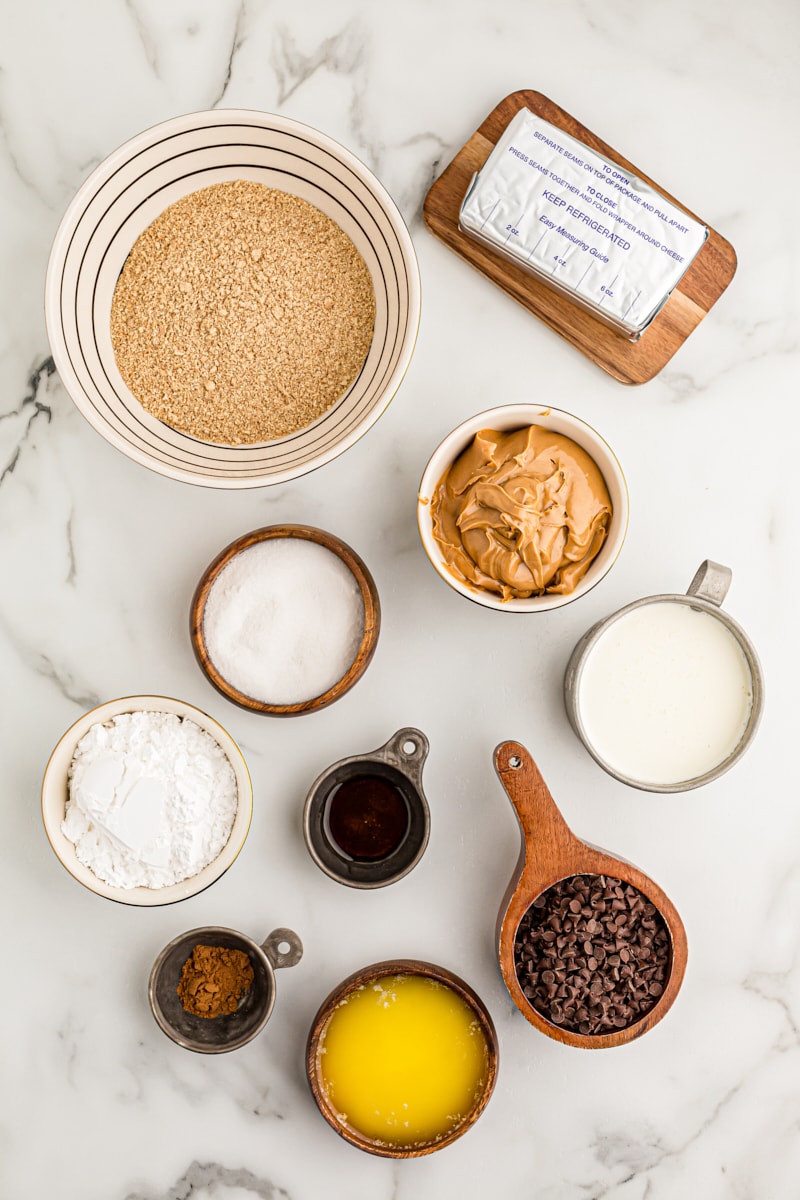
{"x":369,"y":637}
{"x":551,"y":852}
{"x":398,"y":966}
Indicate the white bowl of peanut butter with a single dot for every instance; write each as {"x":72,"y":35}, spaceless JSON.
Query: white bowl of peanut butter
{"x":523,"y":508}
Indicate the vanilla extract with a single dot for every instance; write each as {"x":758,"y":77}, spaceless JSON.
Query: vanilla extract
{"x":366,"y":818}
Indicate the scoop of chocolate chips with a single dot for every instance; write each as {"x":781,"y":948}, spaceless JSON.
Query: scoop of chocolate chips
{"x":592,"y":954}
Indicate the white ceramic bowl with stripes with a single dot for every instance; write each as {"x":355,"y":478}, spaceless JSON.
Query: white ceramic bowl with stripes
{"x":129,"y":190}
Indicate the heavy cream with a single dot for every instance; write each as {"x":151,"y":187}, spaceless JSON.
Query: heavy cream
{"x":666,"y":693}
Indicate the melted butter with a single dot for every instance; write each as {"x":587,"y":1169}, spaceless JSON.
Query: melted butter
{"x":521,"y":513}
{"x":403,"y":1060}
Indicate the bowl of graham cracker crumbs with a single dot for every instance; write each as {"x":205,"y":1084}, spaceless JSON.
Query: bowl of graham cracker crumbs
{"x":232,"y":299}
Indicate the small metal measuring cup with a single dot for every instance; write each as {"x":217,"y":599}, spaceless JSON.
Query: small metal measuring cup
{"x":216,"y":1035}
{"x":399,"y":762}
{"x":706,"y":593}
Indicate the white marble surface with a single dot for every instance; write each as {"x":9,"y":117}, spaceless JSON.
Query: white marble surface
{"x":100,"y":557}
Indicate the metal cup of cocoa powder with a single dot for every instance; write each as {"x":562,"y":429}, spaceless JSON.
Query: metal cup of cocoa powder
{"x":228,"y":1030}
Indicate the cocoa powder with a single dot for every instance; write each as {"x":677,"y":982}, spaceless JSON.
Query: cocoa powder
{"x":213,"y":980}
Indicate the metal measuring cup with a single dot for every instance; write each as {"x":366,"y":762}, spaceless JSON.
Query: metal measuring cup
{"x":216,"y":1035}
{"x":705,"y":593}
{"x":399,"y":762}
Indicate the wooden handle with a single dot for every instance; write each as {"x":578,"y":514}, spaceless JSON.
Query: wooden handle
{"x":537,"y":811}
{"x":551,"y":851}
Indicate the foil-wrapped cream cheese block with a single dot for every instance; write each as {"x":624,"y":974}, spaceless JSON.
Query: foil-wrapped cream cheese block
{"x":581,"y":224}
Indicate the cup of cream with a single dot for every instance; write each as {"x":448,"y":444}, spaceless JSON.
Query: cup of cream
{"x":666,"y":694}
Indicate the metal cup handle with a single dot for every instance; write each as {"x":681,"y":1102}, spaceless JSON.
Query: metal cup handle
{"x":283,"y":958}
{"x":711,"y":582}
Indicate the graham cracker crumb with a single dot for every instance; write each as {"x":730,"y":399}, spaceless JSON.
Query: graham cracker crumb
{"x":242,"y":314}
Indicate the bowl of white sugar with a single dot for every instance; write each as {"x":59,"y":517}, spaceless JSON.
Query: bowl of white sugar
{"x":146,"y":800}
{"x":666,"y":694}
{"x":285,"y":620}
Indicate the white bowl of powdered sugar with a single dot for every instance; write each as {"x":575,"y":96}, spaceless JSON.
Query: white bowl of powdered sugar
{"x":146,"y":800}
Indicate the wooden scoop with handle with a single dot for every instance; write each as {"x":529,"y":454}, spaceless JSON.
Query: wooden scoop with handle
{"x":551,"y":852}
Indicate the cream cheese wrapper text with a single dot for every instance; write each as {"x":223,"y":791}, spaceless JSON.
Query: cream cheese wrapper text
{"x":586,"y":226}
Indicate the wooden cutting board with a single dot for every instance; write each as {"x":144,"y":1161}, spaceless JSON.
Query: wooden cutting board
{"x":631,"y":362}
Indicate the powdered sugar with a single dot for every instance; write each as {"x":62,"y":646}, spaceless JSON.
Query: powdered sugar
{"x":152,"y":799}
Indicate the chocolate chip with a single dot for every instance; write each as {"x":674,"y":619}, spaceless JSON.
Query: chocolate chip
{"x":592,"y":954}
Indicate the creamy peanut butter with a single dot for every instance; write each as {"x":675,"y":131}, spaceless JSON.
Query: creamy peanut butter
{"x":521,"y":513}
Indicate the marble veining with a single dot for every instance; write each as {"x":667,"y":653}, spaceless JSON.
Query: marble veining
{"x":203,"y":1179}
{"x":21,"y":419}
{"x":100,"y":558}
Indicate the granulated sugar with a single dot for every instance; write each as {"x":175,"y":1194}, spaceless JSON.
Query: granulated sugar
{"x":242,"y":314}
{"x":152,"y":799}
{"x":283,"y":620}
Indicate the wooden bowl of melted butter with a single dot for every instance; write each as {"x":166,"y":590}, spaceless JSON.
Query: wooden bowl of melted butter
{"x":402,"y":1058}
